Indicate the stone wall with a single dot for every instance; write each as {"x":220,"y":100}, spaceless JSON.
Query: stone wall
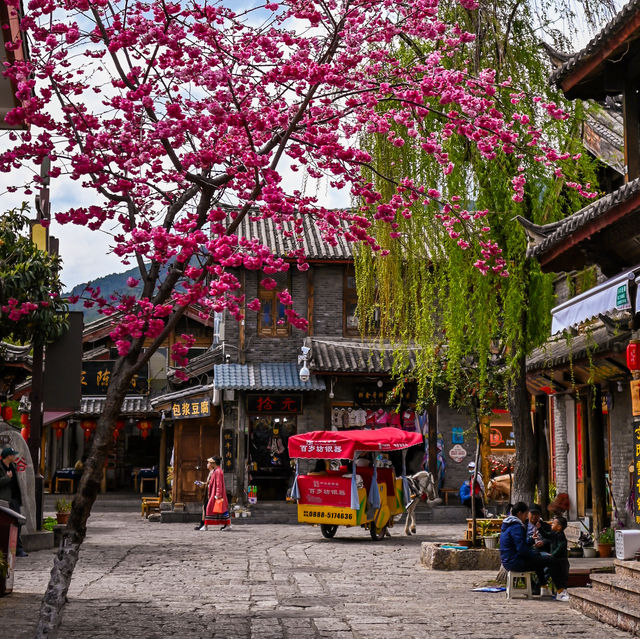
{"x":449,"y":418}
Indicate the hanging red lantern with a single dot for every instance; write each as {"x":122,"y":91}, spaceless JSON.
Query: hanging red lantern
{"x":88,"y":426}
{"x":26,"y":427}
{"x":7,"y":412}
{"x":59,"y":427}
{"x":144,"y":426}
{"x":120,"y":423}
{"x":633,"y":356}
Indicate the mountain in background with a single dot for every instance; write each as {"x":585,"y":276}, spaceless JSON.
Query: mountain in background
{"x":109,"y":284}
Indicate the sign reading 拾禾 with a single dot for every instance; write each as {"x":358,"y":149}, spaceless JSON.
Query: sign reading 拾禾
{"x":274,"y":404}
{"x":190,"y":409}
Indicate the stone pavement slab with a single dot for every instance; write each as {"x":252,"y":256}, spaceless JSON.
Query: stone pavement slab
{"x":141,"y":580}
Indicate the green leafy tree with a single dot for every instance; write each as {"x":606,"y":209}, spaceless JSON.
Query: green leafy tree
{"x":30,"y":304}
{"x":473,"y":329}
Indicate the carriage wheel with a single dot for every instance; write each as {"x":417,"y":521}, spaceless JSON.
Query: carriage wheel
{"x":328,"y":530}
{"x":377,"y":534}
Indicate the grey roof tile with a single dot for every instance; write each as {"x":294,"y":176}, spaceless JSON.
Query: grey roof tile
{"x":265,"y":376}
{"x":132,"y":405}
{"x":618,"y":22}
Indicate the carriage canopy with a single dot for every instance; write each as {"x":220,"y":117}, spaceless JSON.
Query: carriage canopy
{"x":331,"y":444}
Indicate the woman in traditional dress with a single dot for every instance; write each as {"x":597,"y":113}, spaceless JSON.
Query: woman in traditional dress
{"x":216,"y":512}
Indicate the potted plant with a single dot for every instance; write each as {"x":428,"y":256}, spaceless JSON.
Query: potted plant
{"x":586,"y":543}
{"x":606,"y":539}
{"x":63,"y":508}
{"x":491,"y":541}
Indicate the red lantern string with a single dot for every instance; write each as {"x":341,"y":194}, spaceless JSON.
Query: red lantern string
{"x":88,"y":426}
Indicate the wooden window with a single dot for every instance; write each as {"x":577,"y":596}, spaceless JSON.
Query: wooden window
{"x":272,"y":322}
{"x":350,"y":324}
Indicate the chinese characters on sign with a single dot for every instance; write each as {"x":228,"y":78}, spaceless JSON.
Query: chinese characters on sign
{"x":228,"y":450}
{"x":372,"y":396}
{"x":274,"y":404}
{"x":96,"y":376}
{"x":190,"y":409}
{"x":502,"y":436}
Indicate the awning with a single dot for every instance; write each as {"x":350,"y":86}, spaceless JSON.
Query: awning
{"x":50,"y":416}
{"x":332,"y":444}
{"x":275,"y":376}
{"x":612,"y":295}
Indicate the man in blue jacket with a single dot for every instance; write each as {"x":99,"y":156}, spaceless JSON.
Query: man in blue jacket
{"x":516,"y":552}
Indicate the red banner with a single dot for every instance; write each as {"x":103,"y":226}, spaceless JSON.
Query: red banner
{"x":325,"y":491}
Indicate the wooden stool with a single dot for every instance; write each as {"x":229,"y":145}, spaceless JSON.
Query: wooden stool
{"x":65,"y":480}
{"x":446,"y":492}
{"x":514,"y":591}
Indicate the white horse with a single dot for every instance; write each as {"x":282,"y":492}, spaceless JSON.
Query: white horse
{"x":422,"y":487}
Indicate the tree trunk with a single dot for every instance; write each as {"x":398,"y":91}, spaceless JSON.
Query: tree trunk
{"x":525,"y":467}
{"x":76,"y":530}
{"x":596,"y":460}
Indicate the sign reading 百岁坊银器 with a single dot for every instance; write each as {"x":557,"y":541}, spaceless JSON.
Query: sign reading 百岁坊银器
{"x":191,"y":409}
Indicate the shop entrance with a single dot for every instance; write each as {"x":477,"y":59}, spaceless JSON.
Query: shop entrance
{"x":269,"y":463}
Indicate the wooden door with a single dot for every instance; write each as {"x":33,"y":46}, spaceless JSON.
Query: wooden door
{"x":195,"y":441}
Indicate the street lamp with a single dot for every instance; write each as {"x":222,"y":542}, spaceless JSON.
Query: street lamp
{"x":304,"y":374}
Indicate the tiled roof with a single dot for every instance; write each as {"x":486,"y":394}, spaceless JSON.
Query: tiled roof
{"x":314,"y":245}
{"x":132,"y":405}
{"x":199,"y":365}
{"x":544,"y":238}
{"x":618,"y":22}
{"x":266,"y":376}
{"x":12,"y":354}
{"x":167,"y":398}
{"x":558,"y":351}
{"x":353,"y":356}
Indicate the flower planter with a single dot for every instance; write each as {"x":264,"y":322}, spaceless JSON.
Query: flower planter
{"x":604,"y":550}
{"x":62,"y":518}
{"x":589,"y":553}
{"x":491,"y":542}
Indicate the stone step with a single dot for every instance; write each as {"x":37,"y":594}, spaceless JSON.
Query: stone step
{"x":607,"y":607}
{"x":627,"y":568}
{"x":629,"y":587}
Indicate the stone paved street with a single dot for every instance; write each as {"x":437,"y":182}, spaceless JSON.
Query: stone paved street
{"x":138,"y":579}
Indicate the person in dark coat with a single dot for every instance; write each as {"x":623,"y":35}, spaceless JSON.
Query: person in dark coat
{"x":538,"y":530}
{"x":516,"y":552}
{"x":559,"y":568}
{"x":10,"y":489}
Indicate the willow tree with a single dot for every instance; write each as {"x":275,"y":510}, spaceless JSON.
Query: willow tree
{"x":475,"y":314}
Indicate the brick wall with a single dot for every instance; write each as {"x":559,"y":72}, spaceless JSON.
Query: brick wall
{"x":621,"y":449}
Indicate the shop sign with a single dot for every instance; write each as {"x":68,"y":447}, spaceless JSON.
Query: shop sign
{"x":635,"y":397}
{"x":274,"y":404}
{"x":228,"y":450}
{"x":373,"y":396}
{"x":502,"y":437}
{"x":190,"y":409}
{"x":325,"y":491}
{"x":457,"y":435}
{"x":96,"y":375}
{"x":636,"y":463}
{"x":457,"y":453}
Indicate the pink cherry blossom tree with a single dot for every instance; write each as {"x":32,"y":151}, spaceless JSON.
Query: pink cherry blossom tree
{"x":181,"y":118}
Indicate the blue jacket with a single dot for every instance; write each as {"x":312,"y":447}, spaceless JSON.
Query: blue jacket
{"x":514,"y":547}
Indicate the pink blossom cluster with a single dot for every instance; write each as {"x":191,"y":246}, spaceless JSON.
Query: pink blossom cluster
{"x":16,"y":310}
{"x":164,"y":111}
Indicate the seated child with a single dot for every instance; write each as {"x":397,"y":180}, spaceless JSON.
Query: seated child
{"x":559,"y":568}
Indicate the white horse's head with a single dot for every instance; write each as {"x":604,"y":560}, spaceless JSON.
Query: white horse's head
{"x":427,"y":487}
